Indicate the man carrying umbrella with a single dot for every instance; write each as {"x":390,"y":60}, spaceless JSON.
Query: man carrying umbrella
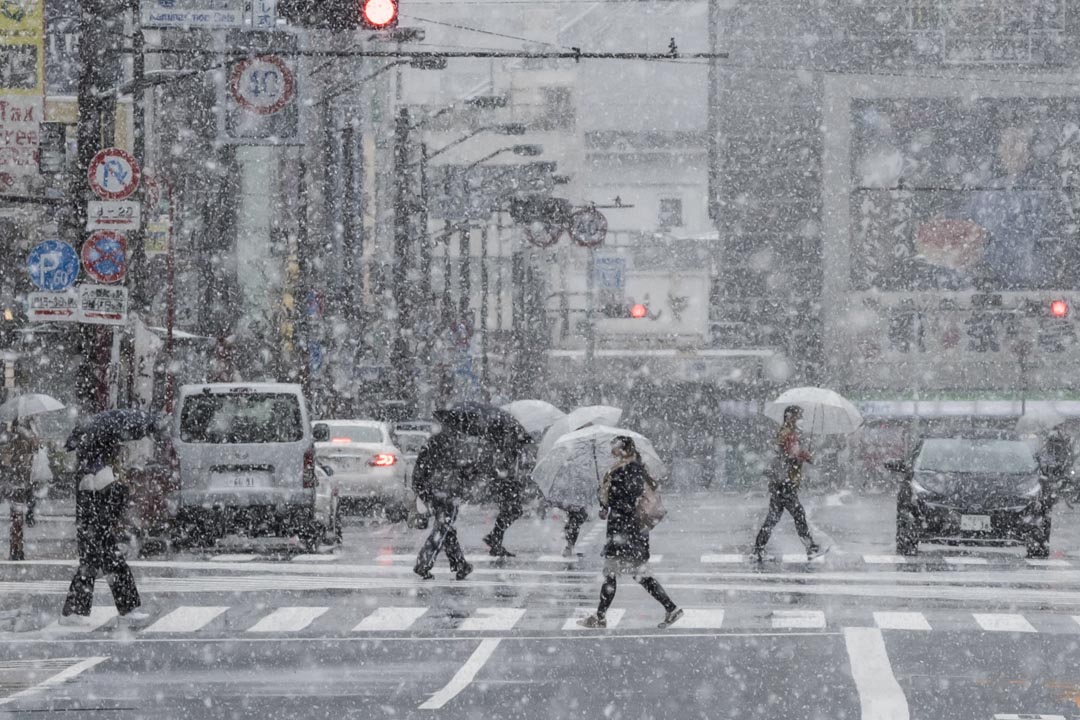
{"x":19,"y":446}
{"x":437,"y":482}
{"x":785,"y":475}
{"x":100,"y":500}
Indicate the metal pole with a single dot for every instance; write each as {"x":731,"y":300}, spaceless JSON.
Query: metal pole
{"x":465,"y":270}
{"x":484,"y":306}
{"x":400,"y":359}
{"x":348,"y":249}
{"x":136,"y":238}
{"x":170,"y":300}
{"x":447,"y":299}
{"x":303,"y":255}
{"x":590,"y":326}
{"x":713,"y":117}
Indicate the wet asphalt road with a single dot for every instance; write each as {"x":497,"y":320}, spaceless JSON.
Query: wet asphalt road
{"x":253,"y":630}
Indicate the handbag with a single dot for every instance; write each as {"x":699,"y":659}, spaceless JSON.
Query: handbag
{"x":40,"y":472}
{"x":650,"y":510}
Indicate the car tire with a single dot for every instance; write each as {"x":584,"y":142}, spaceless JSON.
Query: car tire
{"x":310,"y":533}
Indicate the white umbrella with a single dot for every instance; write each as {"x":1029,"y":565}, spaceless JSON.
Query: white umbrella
{"x":577,"y":419}
{"x":571,"y":471}
{"x":535,"y":416}
{"x":1038,"y":420}
{"x":824,"y":412}
{"x":27,"y":405}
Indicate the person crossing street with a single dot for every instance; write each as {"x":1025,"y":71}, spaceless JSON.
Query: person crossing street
{"x":785,"y":476}
{"x":437,"y":481}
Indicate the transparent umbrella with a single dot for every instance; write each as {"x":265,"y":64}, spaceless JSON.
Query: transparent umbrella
{"x":577,"y":419}
{"x":536,"y":416}
{"x":29,"y":405}
{"x":825,"y":412}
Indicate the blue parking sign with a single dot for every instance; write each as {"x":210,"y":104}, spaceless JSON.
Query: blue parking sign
{"x":53,"y":266}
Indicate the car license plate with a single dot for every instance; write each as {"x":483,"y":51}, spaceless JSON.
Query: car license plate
{"x":975,"y":523}
{"x":240,"y":481}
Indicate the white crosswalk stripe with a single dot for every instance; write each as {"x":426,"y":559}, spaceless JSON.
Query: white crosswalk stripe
{"x":387,"y":619}
{"x":492,"y":619}
{"x":288,"y":619}
{"x":804,"y":619}
{"x":234,"y":557}
{"x":1003,"y":622}
{"x":901,"y":621}
{"x":614,"y":615}
{"x":885,"y":559}
{"x":701,"y":619}
{"x":723,"y":559}
{"x":99,"y":616}
{"x":966,"y":560}
{"x":187,"y":619}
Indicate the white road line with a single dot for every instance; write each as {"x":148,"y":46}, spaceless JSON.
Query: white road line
{"x":656,"y":558}
{"x":287,"y":619}
{"x":901,"y":621}
{"x":1049,"y":563}
{"x":701,"y":619}
{"x":386,"y":619}
{"x":614,"y":615}
{"x":187,"y":619}
{"x":800,"y":558}
{"x":60,"y":677}
{"x":464,"y":676}
{"x":885,"y":559}
{"x":98,"y":616}
{"x":723,"y":559}
{"x":798,"y":619}
{"x":492,"y":619}
{"x":557,"y":559}
{"x":400,"y":557}
{"x":234,"y":557}
{"x":1076,"y":619}
{"x":1003,"y":622}
{"x":1026,"y":716}
{"x":966,"y":560}
{"x":880,"y":695}
{"x":313,"y":558}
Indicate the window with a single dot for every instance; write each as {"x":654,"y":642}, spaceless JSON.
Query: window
{"x":558,"y":110}
{"x":959,"y":455}
{"x":240,"y":419}
{"x":355,"y":434}
{"x":670,"y":213}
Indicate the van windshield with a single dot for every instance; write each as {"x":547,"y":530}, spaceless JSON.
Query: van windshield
{"x":241,"y":418}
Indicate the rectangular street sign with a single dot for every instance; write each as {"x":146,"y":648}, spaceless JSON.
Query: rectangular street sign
{"x":156,"y":240}
{"x":610,"y":273}
{"x":112,"y":215}
{"x":103,"y":304}
{"x":193,"y":13}
{"x":263,"y":14}
{"x":53,"y":307}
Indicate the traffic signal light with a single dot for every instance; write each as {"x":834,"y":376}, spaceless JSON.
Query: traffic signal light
{"x":639,"y":311}
{"x":1059,"y":308}
{"x":378,"y":14}
{"x":340,"y":14}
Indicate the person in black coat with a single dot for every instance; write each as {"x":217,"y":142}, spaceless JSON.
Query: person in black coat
{"x":439,"y":482}
{"x":627,"y":549}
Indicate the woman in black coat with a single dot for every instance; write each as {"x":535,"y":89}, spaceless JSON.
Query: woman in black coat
{"x":627,"y":548}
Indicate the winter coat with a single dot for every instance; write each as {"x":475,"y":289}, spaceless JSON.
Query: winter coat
{"x":17,"y":460}
{"x":626,"y":539}
{"x":786,"y":470}
{"x":435,"y":475}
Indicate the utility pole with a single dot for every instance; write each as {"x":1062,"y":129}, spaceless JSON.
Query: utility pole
{"x":349,"y":245}
{"x":484,"y":306}
{"x":590,"y":327}
{"x":400,"y":356}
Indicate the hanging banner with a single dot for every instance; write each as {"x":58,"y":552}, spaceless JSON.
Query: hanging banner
{"x":22,"y":89}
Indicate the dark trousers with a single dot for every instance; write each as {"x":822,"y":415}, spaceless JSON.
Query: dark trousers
{"x":781,"y":498}
{"x":607,"y":593}
{"x":99,"y":511}
{"x":509,"y":499}
{"x":575,"y":518}
{"x":443,"y":536}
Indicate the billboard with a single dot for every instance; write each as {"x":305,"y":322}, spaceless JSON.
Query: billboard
{"x":22,"y":88}
{"x":959,"y":194}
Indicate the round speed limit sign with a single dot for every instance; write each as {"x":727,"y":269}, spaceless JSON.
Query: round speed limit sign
{"x":262,"y":85}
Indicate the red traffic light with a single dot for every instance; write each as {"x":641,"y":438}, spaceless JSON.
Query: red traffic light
{"x":1059,"y":308}
{"x":638,"y":311}
{"x":379,"y":14}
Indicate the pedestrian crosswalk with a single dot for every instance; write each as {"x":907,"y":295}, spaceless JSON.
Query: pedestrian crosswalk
{"x":351,"y":620}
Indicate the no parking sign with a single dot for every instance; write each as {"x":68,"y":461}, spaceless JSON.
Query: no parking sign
{"x":104,"y":256}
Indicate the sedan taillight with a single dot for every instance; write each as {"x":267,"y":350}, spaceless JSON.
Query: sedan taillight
{"x":384,"y":460}
{"x":309,"y":469}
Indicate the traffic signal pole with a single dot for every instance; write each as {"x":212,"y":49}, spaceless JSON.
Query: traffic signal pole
{"x":400,"y":357}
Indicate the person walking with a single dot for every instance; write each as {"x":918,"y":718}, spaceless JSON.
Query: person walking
{"x":17,"y":455}
{"x":627,"y":549}
{"x":785,"y":475}
{"x":437,"y":481}
{"x":100,"y":502}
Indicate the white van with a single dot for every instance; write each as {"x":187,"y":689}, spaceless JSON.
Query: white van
{"x":246,"y":457}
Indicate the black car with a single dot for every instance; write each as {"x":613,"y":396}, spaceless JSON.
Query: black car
{"x":974,"y":488}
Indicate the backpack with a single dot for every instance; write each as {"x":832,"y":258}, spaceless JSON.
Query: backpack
{"x":650,"y":510}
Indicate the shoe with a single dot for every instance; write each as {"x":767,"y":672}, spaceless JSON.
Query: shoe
{"x":500,"y":551}
{"x":464,"y":572}
{"x":757,"y":556}
{"x":424,"y":574}
{"x":815,"y":551}
{"x":671,"y":618}
{"x":134,"y":618}
{"x":593,"y":622}
{"x":74,"y":620}
{"x":568,"y":551}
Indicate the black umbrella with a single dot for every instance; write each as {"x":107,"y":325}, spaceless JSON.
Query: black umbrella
{"x":112,"y":427}
{"x":484,"y":421}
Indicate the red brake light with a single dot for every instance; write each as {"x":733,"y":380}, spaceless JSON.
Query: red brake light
{"x":638,"y":311}
{"x":1059,"y":308}
{"x":309,"y":468}
{"x":341,"y":441}
{"x":384,"y":460}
